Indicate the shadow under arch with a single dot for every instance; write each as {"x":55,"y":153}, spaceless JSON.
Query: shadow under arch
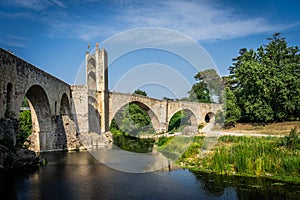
{"x":41,"y":119}
{"x":189,"y":119}
{"x":94,"y":116}
{"x":209,"y":117}
{"x":65,"y":105}
{"x":153,"y":118}
{"x":9,"y":100}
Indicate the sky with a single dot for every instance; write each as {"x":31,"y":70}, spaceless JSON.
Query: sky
{"x":54,"y":36}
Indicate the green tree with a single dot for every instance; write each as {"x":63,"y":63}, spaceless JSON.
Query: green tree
{"x":199,"y":91}
{"x":266,"y":82}
{"x":180,"y":118}
{"x":140,"y":92}
{"x":25,"y":102}
{"x":208,"y":88}
{"x":232,"y":111}
{"x":214,"y":83}
{"x":132,"y":119}
{"x":25,"y":127}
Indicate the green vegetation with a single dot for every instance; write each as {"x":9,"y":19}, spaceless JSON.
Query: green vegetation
{"x":266,"y":82}
{"x":232,"y":112}
{"x":128,"y":124}
{"x":133,"y":144}
{"x":199,"y":91}
{"x":277,"y":158}
{"x":173,"y":147}
{"x":163,"y":141}
{"x":25,"y":102}
{"x":133,"y":120}
{"x":25,"y":127}
{"x":178,"y":121}
{"x":25,"y":124}
{"x":140,"y":92}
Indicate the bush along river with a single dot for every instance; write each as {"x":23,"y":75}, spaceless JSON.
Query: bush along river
{"x":78,"y":175}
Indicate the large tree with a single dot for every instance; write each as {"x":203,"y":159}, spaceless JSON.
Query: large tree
{"x":208,"y":88}
{"x":266,"y":82}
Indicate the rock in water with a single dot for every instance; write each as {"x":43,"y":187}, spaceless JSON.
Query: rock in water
{"x":22,"y":159}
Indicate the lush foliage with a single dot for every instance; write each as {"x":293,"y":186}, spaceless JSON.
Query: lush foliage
{"x":232,"y":112}
{"x":25,"y":102}
{"x":128,"y":124}
{"x":25,"y":127}
{"x":266,"y":82}
{"x":133,"y":120}
{"x":199,"y":91}
{"x":179,"y":119}
{"x":214,"y":84}
{"x":249,"y":156}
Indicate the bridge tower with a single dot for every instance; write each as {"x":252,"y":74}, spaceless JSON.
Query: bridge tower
{"x":97,"y":85}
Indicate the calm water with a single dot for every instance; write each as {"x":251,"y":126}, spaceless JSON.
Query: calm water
{"x":79,"y":176}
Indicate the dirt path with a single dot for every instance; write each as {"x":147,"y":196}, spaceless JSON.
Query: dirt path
{"x":207,"y":130}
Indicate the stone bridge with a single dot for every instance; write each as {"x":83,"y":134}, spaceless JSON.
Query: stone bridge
{"x":49,"y":101}
{"x":161,"y":111}
{"x":62,"y":113}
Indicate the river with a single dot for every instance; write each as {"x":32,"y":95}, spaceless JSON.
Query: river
{"x":78,"y":175}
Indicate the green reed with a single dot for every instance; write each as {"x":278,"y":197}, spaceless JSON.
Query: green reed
{"x":247,"y":156}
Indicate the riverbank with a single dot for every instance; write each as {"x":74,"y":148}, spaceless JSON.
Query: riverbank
{"x":271,"y":157}
{"x":17,"y":159}
{"x":279,"y":128}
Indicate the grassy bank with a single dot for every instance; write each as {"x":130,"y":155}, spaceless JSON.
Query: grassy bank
{"x":277,"y":158}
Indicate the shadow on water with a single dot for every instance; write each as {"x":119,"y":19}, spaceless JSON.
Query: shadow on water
{"x":247,"y":187}
{"x":78,"y":175}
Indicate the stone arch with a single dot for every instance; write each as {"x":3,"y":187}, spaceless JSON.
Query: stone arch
{"x":91,"y":74}
{"x":41,"y":119}
{"x":154,"y":119}
{"x":9,"y":100}
{"x":209,"y":117}
{"x":64,"y":105}
{"x":191,"y":114}
{"x":94,"y":117}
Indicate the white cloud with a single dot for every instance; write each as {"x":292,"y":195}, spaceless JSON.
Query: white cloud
{"x":202,"y":20}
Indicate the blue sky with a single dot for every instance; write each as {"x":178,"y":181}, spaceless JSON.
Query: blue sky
{"x":54,"y":34}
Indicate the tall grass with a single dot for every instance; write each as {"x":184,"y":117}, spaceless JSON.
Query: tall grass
{"x":250,"y":156}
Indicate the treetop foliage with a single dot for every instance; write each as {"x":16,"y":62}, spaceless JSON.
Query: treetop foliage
{"x":266,"y":82}
{"x":140,"y":92}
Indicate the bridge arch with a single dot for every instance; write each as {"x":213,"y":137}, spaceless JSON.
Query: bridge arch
{"x":65,"y":105}
{"x":192,"y":116}
{"x":153,"y":117}
{"x":209,"y":117}
{"x":41,"y":117}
